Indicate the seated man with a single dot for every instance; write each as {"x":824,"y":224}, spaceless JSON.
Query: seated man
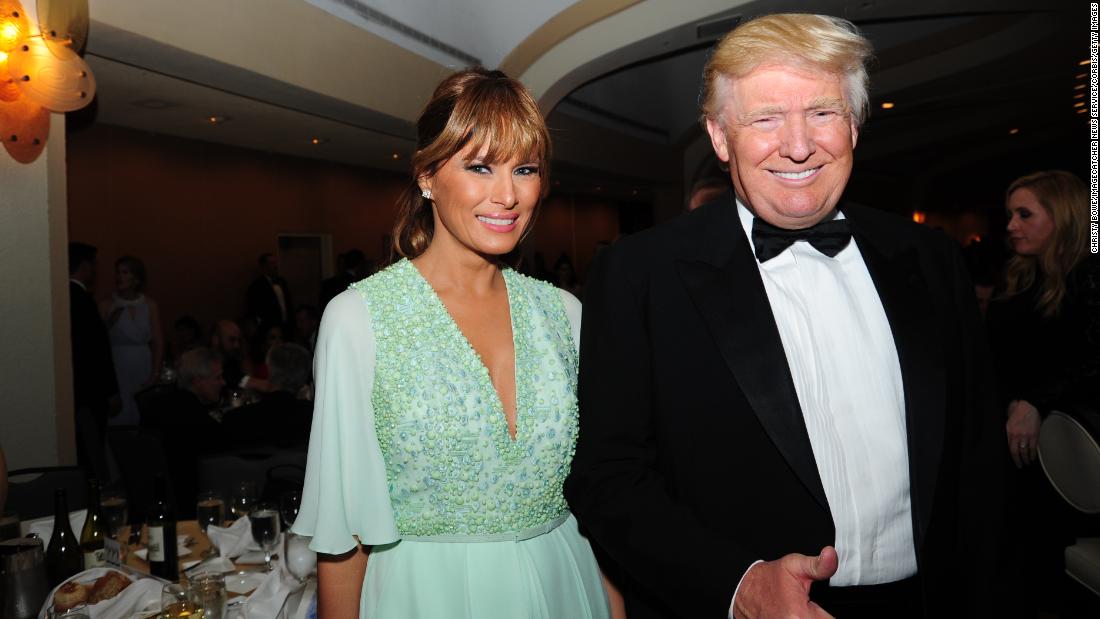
{"x":280,"y":418}
{"x":182,"y":417}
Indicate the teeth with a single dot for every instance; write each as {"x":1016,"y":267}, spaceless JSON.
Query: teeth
{"x":496,"y":222}
{"x":796,"y":175}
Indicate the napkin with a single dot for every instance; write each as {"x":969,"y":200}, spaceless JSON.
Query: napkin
{"x":43,"y":526}
{"x":268,"y":599}
{"x":142,"y":594}
{"x":219,"y":565}
{"x":234,"y":540}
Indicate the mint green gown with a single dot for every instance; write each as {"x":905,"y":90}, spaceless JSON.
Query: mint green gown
{"x":410,"y":453}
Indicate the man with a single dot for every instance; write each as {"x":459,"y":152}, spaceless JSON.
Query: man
{"x":181,"y":417}
{"x":354,"y":266}
{"x":771,"y":427}
{"x":95,"y":387}
{"x":279,"y":418}
{"x":226,"y":340}
{"x":268,"y":298}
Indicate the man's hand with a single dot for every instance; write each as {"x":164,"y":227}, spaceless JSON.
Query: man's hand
{"x":781,"y":588}
{"x":1022,"y":429}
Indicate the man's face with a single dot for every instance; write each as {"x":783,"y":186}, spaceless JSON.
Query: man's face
{"x":271,"y":266}
{"x":788,"y":137}
{"x":209,"y":390}
{"x":229,"y":339}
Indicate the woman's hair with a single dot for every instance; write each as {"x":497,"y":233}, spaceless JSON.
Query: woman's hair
{"x":136,"y":268}
{"x":1065,"y":199}
{"x":473,"y":106}
{"x":817,"y":41}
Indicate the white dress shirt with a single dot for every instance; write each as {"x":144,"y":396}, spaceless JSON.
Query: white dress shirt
{"x":841,"y":355}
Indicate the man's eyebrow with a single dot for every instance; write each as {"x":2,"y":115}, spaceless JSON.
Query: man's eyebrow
{"x":827,"y":103}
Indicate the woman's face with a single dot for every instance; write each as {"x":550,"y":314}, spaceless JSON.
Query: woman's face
{"x":124,"y":279}
{"x":482,"y":207}
{"x":1030,"y":226}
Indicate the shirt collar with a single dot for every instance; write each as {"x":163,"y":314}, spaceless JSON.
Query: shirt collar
{"x":79,"y":283}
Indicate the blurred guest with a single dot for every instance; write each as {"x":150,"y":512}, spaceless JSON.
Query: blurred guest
{"x":268,"y":299}
{"x":227,"y":341}
{"x":268,"y":337}
{"x":565,"y":276}
{"x":353,"y":267}
{"x":306,"y":321}
{"x":137,"y":343}
{"x":182,"y":418}
{"x":1044,"y":325}
{"x":708,"y":189}
{"x":186,"y":335}
{"x":95,"y":389}
{"x":279,"y":418}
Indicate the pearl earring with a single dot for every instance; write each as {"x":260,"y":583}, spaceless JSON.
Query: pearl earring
{"x":427,"y":193}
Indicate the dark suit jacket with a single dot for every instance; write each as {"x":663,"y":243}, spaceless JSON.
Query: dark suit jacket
{"x":334,"y":286}
{"x":262,"y":304}
{"x":278,"y":420}
{"x":694,"y":460}
{"x":94,"y":379}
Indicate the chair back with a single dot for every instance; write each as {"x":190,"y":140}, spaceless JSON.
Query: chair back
{"x":30,"y":491}
{"x":140,"y":457}
{"x":225,"y":472}
{"x":1070,"y":456}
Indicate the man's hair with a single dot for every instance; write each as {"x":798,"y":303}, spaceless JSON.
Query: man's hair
{"x":290,"y":367}
{"x":79,"y":253}
{"x":197,"y":363}
{"x":818,"y":42}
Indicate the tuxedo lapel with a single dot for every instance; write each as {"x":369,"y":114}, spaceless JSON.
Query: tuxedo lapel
{"x":905,"y":298}
{"x":725,"y":286}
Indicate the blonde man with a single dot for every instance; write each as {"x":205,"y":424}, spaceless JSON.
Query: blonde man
{"x":784,"y":409}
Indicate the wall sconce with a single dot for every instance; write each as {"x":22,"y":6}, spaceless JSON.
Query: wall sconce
{"x":41,"y":71}
{"x":919,"y":217}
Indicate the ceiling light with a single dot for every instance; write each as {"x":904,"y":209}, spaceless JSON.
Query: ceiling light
{"x":1079,"y":87}
{"x":1081,"y":111}
{"x":1080,"y":76}
{"x":1079,"y":104}
{"x":215,"y":119}
{"x":1013,"y":131}
{"x":1079,"y":95}
{"x":887,"y":105}
{"x":396,"y":156}
{"x":1084,"y":63}
{"x":318,"y":141}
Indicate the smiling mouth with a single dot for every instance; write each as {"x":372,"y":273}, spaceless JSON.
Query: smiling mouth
{"x":495,"y":221}
{"x":796,"y":176}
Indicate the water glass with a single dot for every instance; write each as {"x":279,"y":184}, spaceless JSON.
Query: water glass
{"x":208,"y":591}
{"x":112,"y":505}
{"x":289,"y":503}
{"x":265,"y":529}
{"x":244,"y":495}
{"x":176,"y":603}
{"x":210,"y":510}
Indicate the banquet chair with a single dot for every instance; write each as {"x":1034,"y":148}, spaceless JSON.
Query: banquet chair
{"x":30,"y":491}
{"x":225,"y":472}
{"x":1070,"y":456}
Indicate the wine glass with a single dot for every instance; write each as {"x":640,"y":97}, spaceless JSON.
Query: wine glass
{"x":112,"y":505}
{"x":243,"y":497}
{"x":264,"y":518}
{"x":210,"y":510}
{"x":289,"y":503}
{"x":176,"y":602}
{"x":300,"y":561}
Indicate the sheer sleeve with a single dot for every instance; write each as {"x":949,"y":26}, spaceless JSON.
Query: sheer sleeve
{"x":346,"y":493}
{"x":573,"y":313}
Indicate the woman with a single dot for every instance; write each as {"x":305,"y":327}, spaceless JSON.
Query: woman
{"x":1044,"y":328}
{"x":445,"y":412}
{"x":137,"y":345}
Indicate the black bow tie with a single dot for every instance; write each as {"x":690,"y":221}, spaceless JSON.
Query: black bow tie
{"x":827,"y":237}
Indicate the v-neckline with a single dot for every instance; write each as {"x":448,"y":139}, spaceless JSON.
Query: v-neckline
{"x":487,"y":377}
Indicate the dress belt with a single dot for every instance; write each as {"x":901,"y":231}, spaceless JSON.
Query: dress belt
{"x":511,"y":536}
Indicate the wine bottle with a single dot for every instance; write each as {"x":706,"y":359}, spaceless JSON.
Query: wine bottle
{"x":63,"y":558}
{"x":91,"y":537}
{"x":161,"y":521}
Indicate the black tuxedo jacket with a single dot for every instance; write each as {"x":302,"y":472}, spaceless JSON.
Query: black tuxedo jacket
{"x":262,"y":304}
{"x":694,"y":460}
{"x":94,"y":379}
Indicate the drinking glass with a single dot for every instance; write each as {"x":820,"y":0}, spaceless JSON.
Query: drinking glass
{"x":265,"y":529}
{"x":210,"y":510}
{"x":289,"y":503}
{"x":244,"y":495}
{"x":208,"y":591}
{"x":300,"y":561}
{"x":112,"y":505}
{"x":176,"y":603}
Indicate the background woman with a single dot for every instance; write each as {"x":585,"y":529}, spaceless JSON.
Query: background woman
{"x":1045,"y":333}
{"x":137,"y":344}
{"x":446,"y":415}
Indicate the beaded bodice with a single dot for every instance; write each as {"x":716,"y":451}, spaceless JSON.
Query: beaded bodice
{"x":452,"y":466}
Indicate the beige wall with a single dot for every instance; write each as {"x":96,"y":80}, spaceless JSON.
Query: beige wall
{"x":36,"y":419}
